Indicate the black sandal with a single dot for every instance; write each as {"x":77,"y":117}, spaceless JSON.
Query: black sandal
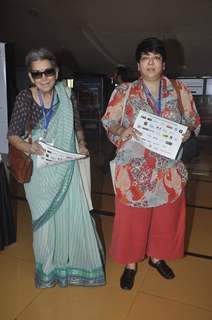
{"x":127,"y":279}
{"x":164,"y":270}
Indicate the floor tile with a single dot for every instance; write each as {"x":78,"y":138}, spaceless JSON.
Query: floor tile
{"x":22,"y":249}
{"x":17,"y":286}
{"x":152,"y":307}
{"x":192,"y":285}
{"x":199,"y":235}
{"x":80,"y":303}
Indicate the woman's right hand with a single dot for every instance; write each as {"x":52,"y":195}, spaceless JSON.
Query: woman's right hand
{"x":128,"y":133}
{"x":24,"y":146}
{"x":35,"y":148}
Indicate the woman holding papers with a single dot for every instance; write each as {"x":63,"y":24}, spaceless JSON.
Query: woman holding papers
{"x":150,"y":198}
{"x":66,"y":246}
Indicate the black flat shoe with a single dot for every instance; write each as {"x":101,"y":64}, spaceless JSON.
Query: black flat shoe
{"x":164,"y":270}
{"x":127,"y":279}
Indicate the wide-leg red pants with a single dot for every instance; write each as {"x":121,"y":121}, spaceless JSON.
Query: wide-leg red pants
{"x":157,"y":232}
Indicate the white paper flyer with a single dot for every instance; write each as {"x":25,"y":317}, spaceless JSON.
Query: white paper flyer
{"x":159,"y":134}
{"x":54,"y":155}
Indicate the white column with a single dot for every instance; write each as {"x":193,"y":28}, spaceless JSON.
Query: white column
{"x":3,"y":101}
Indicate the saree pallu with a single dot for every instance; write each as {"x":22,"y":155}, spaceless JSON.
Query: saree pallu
{"x":66,"y":246}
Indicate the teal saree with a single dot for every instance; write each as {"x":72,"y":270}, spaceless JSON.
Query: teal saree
{"x":66,"y":246}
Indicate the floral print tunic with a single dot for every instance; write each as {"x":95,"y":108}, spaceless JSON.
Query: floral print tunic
{"x":144,"y":178}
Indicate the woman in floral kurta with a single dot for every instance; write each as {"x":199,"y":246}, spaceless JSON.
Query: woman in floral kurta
{"x":150,"y":202}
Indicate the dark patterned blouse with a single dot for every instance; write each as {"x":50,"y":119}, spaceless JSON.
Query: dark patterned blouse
{"x":25,"y":106}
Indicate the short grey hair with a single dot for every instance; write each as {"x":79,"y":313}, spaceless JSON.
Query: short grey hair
{"x":40,"y":54}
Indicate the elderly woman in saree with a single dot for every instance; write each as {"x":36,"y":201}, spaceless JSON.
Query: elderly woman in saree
{"x":66,"y":246}
{"x":150,"y":198}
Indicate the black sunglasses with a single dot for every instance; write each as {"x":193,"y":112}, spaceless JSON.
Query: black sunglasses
{"x":37,"y":74}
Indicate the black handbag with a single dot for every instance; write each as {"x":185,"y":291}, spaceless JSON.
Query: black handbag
{"x":190,"y":147}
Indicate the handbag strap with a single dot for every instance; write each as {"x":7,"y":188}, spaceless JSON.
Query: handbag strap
{"x":179,"y":100}
{"x":125,"y":102}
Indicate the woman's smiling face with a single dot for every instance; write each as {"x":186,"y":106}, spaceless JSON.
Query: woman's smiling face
{"x":46,"y":81}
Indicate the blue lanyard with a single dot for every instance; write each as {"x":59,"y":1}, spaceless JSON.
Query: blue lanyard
{"x":155,"y":103}
{"x":46,"y":114}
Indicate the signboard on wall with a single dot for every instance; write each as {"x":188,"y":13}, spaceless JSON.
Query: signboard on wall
{"x":195,"y":85}
{"x":197,"y":88}
{"x":3,"y":101}
{"x":209,"y":87}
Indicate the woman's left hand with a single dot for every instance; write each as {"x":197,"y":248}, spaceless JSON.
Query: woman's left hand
{"x":186,"y":135}
{"x":128,"y":133}
{"x":83,"y":150}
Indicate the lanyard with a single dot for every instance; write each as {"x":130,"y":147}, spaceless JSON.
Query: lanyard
{"x":46,"y":114}
{"x":156,"y":104}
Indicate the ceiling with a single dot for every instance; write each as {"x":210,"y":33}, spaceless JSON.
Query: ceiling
{"x":93,"y":36}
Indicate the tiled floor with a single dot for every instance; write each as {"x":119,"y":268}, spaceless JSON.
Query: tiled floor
{"x":187,"y":297}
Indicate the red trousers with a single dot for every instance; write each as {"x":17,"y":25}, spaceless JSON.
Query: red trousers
{"x":156,"y":232}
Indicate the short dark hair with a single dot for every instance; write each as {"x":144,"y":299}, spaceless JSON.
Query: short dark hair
{"x":154,"y":45}
{"x":40,"y":54}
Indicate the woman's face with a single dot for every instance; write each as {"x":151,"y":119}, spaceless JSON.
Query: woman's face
{"x":43,"y":75}
{"x":151,"y":66}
